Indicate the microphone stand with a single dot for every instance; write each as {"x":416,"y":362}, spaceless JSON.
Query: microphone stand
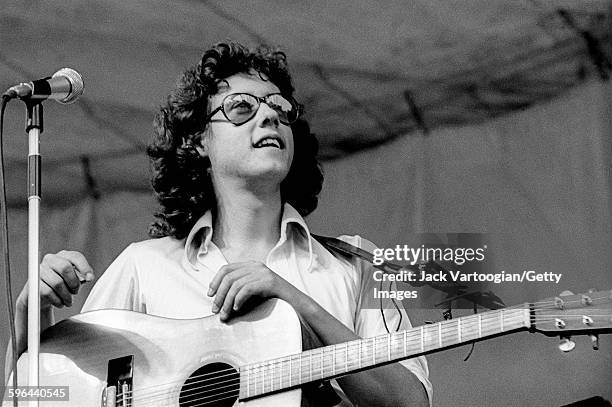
{"x":34,"y":127}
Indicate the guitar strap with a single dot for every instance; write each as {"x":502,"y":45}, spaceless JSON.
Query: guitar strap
{"x":322,"y":393}
{"x":348,"y":250}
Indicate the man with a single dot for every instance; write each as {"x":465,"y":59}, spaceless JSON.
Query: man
{"x":234,"y":171}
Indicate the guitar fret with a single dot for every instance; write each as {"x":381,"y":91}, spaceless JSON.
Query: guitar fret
{"x":346,"y":357}
{"x":449,"y":334}
{"x":280,"y":371}
{"x":294,"y":372}
{"x":287,"y":372}
{"x":422,"y":339}
{"x":310,"y":367}
{"x":398,"y":345}
{"x":300,"y":373}
{"x":459,"y":330}
{"x":359,"y":358}
{"x":290,"y":372}
{"x":267,"y":377}
{"x":334,"y":360}
{"x":322,"y":352}
{"x":262,"y":376}
{"x":374,"y":351}
{"x":271,"y":370}
{"x":248,"y":382}
{"x":300,"y":380}
{"x":274,"y":374}
{"x":255,"y":378}
{"x":471,"y":328}
{"x":248,"y":372}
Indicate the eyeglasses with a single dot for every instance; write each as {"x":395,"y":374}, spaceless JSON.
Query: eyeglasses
{"x":239,"y":108}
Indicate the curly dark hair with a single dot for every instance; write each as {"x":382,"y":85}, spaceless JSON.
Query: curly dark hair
{"x":179,"y":172}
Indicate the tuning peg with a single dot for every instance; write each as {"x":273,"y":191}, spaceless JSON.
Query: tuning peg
{"x":566,"y":344}
{"x":595,"y":341}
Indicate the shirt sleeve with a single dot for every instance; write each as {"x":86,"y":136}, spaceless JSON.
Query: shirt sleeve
{"x":369,"y":320}
{"x":118,"y":287}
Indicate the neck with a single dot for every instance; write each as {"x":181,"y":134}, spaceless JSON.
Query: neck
{"x":246,"y":223}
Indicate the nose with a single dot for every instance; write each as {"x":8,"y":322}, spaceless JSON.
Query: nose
{"x":268,"y":115}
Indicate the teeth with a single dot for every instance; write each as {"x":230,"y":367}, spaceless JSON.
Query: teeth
{"x":268,"y":142}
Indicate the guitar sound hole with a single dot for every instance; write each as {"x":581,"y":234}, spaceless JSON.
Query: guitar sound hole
{"x":213,"y":385}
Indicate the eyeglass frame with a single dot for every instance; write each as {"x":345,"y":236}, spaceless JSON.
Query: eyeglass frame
{"x":260,"y":100}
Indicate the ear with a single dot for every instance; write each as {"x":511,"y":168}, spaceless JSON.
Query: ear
{"x":201,"y":150}
{"x":202,"y":146}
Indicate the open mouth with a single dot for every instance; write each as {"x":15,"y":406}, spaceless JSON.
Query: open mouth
{"x":270,"y":141}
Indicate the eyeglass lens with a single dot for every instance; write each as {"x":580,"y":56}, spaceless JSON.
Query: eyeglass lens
{"x":241,"y":107}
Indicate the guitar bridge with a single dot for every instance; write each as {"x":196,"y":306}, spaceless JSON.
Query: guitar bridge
{"x":118,"y":392}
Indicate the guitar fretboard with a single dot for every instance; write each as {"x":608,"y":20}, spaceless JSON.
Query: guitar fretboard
{"x":336,"y":360}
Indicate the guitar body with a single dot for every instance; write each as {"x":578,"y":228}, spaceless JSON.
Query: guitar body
{"x":166,"y":352}
{"x":116,"y":358}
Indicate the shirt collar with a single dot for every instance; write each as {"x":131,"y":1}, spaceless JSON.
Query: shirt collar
{"x":200,"y":235}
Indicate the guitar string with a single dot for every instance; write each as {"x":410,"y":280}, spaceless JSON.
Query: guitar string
{"x":227,"y":394}
{"x":495,"y":316}
{"x":366,"y":348}
{"x":284,"y":359}
{"x":325,"y":367}
{"x":272,"y":386}
{"x":417,"y":334}
{"x":553,"y":302}
{"x":385,"y":350}
{"x":235,"y":387}
{"x":341,"y":348}
{"x":233,"y":393}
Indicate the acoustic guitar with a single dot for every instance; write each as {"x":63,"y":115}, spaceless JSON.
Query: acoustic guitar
{"x":122,"y":358}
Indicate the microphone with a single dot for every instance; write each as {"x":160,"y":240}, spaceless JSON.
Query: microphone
{"x":65,"y":86}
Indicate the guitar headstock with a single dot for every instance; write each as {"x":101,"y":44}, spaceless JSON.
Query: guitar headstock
{"x":574,"y":314}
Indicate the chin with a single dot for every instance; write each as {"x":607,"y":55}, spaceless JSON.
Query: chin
{"x":273,"y":172}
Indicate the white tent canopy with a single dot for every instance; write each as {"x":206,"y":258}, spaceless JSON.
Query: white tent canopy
{"x":366,"y":71}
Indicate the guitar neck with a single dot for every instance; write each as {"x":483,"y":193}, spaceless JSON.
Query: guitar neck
{"x":332,"y":361}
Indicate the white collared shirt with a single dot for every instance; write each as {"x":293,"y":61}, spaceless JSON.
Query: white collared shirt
{"x":170,"y":278}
